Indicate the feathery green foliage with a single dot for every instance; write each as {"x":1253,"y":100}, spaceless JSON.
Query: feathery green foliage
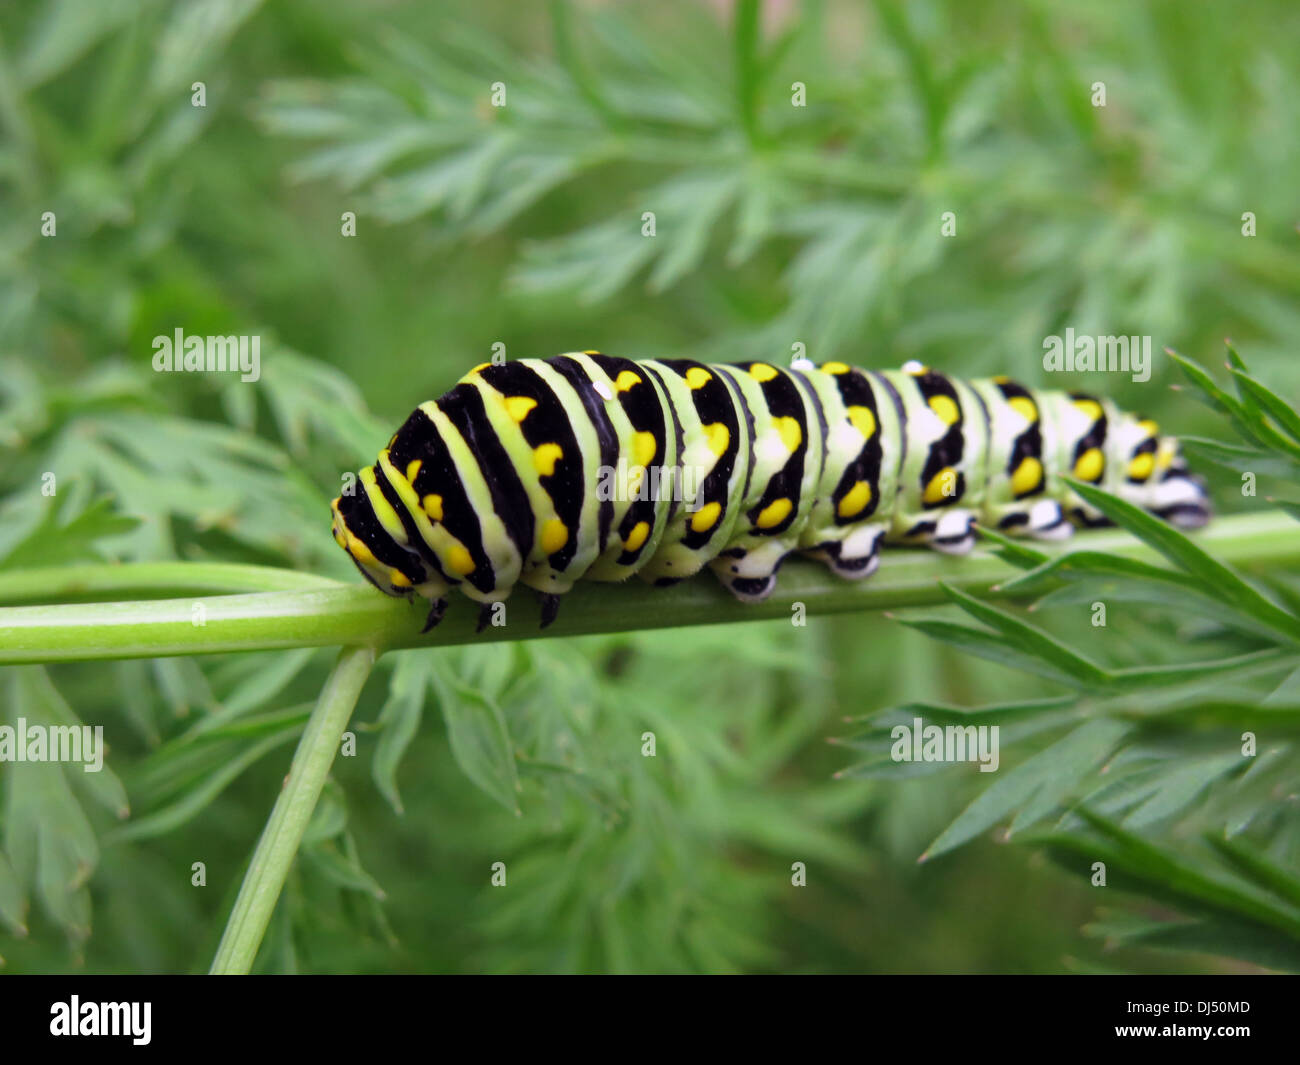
{"x":776,"y":225}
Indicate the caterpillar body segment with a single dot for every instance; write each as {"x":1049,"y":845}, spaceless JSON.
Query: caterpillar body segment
{"x":543,"y":472}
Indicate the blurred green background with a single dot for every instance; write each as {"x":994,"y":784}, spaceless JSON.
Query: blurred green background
{"x":521,"y":225}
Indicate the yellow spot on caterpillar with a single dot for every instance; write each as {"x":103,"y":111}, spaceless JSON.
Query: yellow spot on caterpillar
{"x":863,"y":421}
{"x":698,"y":377}
{"x":943,"y":485}
{"x":480,"y":366}
{"x":1165,"y":455}
{"x":835,"y":367}
{"x":625,"y":380}
{"x":948,"y":411}
{"x":855,"y":500}
{"x":774,"y":513}
{"x":1028,"y":476}
{"x":1001,"y":379}
{"x":1149,"y":427}
{"x":412,"y":470}
{"x":518,"y":407}
{"x":791,"y":434}
{"x":459,"y":561}
{"x":1142,"y":466}
{"x":433,"y":506}
{"x":719,"y":438}
{"x":555,"y":534}
{"x":590,"y":352}
{"x":1090,"y":465}
{"x":398,"y":579}
{"x":643,"y":448}
{"x":1025,"y":407}
{"x":1090,"y":407}
{"x":761,"y":371}
{"x":545,"y":458}
{"x":706,"y":517}
{"x":637,"y":536}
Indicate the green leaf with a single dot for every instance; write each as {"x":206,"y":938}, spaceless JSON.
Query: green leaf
{"x":1037,"y":785}
{"x":1182,"y":552}
{"x":399,"y":720}
{"x":480,"y":742}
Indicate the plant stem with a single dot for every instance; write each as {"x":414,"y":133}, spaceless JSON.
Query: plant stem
{"x":132,"y":579}
{"x":341,"y":615}
{"x":293,"y":809}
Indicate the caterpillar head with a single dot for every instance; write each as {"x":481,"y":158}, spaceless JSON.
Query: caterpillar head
{"x":1155,"y":475}
{"x":386,"y":565}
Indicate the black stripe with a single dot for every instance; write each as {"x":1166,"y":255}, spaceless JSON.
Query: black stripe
{"x":465,"y":409}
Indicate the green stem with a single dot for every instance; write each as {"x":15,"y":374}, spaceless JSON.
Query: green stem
{"x":746,"y":36}
{"x":134,"y":579}
{"x":293,"y":809}
{"x":340,"y":615}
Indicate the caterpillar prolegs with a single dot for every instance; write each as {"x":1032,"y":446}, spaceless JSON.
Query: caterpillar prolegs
{"x":543,"y":472}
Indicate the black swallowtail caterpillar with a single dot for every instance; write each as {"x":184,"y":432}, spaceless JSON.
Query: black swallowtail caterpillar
{"x":512,"y":477}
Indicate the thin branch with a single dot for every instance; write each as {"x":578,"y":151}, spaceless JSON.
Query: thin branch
{"x":355,"y":615}
{"x":135,"y":579}
{"x":293,"y":809}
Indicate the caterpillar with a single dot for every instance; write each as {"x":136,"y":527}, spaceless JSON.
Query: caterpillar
{"x":542,"y":472}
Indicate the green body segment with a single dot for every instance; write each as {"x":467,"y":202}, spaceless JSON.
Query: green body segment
{"x":586,"y":466}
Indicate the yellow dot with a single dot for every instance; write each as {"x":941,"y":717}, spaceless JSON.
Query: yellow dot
{"x":1025,"y":407}
{"x":719,"y":438}
{"x":480,"y":366}
{"x":791,"y":434}
{"x":1142,"y":466}
{"x":518,"y":407}
{"x":774,"y":513}
{"x":413,"y":470}
{"x":863,"y":421}
{"x":1149,"y":427}
{"x":706,"y":517}
{"x":1001,"y":379}
{"x":761,"y":371}
{"x":855,"y":500}
{"x":589,"y":351}
{"x":698,"y":377}
{"x":643,"y":448}
{"x":433,"y":506}
{"x":637,"y":536}
{"x":545,"y":458}
{"x":459,"y":561}
{"x":1090,"y":465}
{"x":948,"y":411}
{"x":555,"y":534}
{"x":835,"y":367}
{"x":398,"y":579}
{"x":943,"y":485}
{"x":625,"y":380}
{"x":1089,"y":407}
{"x":1165,"y":455}
{"x":1027,"y":478}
